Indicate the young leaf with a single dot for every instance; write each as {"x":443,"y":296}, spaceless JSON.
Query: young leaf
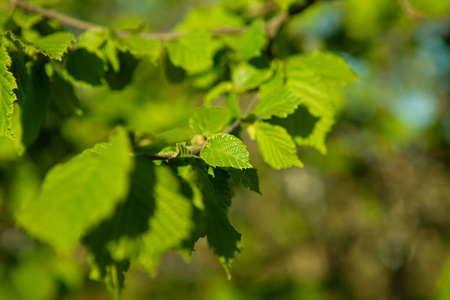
{"x":182,"y":151}
{"x":208,"y":120}
{"x":246,"y":76}
{"x":78,"y":194}
{"x":193,"y":52}
{"x":276,"y":101}
{"x":138,"y":46}
{"x":225,"y":150}
{"x":55,"y":45}
{"x":210,"y":18}
{"x":249,"y":43}
{"x":307,"y":129}
{"x":328,"y":65}
{"x":7,"y":86}
{"x":316,"y":96}
{"x":215,"y":92}
{"x":276,"y":146}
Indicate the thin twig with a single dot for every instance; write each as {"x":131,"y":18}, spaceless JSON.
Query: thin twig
{"x":51,"y":14}
{"x":411,"y":11}
{"x":272,"y":26}
{"x":238,"y":122}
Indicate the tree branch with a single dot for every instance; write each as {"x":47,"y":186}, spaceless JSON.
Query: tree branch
{"x":411,"y":11}
{"x":272,"y":26}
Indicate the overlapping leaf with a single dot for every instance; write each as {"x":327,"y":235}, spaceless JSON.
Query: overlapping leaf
{"x":7,"y":86}
{"x":213,"y":196}
{"x":276,"y":101}
{"x":247,"y":177}
{"x":54,"y":45}
{"x":169,"y":224}
{"x":35,"y":103}
{"x":327,"y":65}
{"x":208,"y":120}
{"x":250,"y":43}
{"x":315,"y":78}
{"x":148,"y":48}
{"x":276,"y":146}
{"x":225,"y":150}
{"x":210,"y":18}
{"x":193,"y":51}
{"x":79,"y":194}
{"x":246,"y":76}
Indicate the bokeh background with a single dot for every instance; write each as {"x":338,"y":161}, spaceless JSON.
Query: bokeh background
{"x":370,"y":220}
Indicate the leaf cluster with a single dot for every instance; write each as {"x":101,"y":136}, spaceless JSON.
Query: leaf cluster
{"x":130,"y":205}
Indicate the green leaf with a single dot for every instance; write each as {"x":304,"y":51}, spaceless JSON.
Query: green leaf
{"x":55,"y":45}
{"x":63,"y":96}
{"x":307,"y":129}
{"x":130,"y":220}
{"x":208,"y":120}
{"x":316,"y":95}
{"x":250,"y":43}
{"x":276,"y":101}
{"x":246,"y":76}
{"x":225,"y":150}
{"x":233,"y":105}
{"x":78,"y":194}
{"x":92,"y":39}
{"x":118,"y":80}
{"x":7,"y":86}
{"x":285,"y":4}
{"x":147,"y":48}
{"x":170,"y":222}
{"x":214,"y":93}
{"x":209,"y":18}
{"x":25,"y":19}
{"x":247,"y":177}
{"x":36,"y":101}
{"x":213,"y":197}
{"x":327,"y":65}
{"x":193,"y":52}
{"x":222,"y":236}
{"x":85,"y":67}
{"x":276,"y":146}
{"x":182,"y":151}
{"x":110,"y":52}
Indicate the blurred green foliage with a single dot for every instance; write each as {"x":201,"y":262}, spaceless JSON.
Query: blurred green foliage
{"x":370,"y":220}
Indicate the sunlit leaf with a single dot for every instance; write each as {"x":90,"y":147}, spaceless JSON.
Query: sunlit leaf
{"x":78,"y":194}
{"x":225,"y":150}
{"x":250,"y":43}
{"x":246,"y":76}
{"x":208,"y":120}
{"x":193,"y":51}
{"x":276,"y":146}
{"x":7,"y":86}
{"x":148,"y":48}
{"x":55,"y":45}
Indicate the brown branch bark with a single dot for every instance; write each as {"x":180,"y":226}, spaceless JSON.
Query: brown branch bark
{"x":272,"y":26}
{"x":411,"y":11}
